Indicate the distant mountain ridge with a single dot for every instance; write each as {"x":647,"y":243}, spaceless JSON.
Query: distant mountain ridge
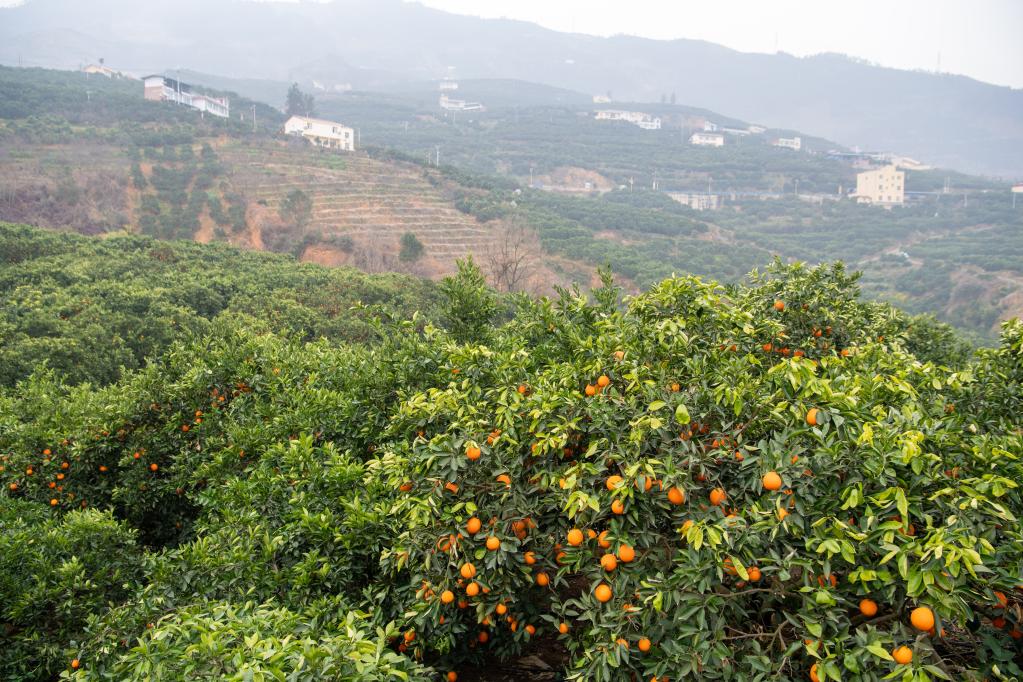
{"x":948,"y":121}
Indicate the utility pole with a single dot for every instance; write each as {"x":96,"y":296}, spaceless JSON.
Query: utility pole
{"x":531,"y":184}
{"x":253,"y":118}
{"x":438,"y":157}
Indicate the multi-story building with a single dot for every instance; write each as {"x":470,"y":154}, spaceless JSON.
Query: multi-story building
{"x":636,"y":118}
{"x":164,"y":89}
{"x":883,"y":186}
{"x":698,"y":201}
{"x":321,"y":133}
{"x":795,"y":143}
{"x":707,"y":139}
{"x":449,"y":104}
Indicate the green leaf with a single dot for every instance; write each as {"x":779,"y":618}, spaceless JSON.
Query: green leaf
{"x":682,"y":415}
{"x":879,"y":651}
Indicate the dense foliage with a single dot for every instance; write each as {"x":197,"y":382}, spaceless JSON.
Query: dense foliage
{"x":277,"y":508}
{"x":89,"y":308}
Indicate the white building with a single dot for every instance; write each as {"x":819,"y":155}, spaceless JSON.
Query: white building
{"x":163,"y":89}
{"x":448,"y":85}
{"x":1018,"y":189}
{"x":756,"y":130}
{"x":883,"y":186}
{"x":795,"y":143}
{"x":321,"y":133}
{"x":449,"y":104}
{"x":637,"y":118}
{"x":740,"y":132}
{"x":707,"y":139}
{"x":601,"y":99}
{"x":698,"y":201}
{"x":710,"y":126}
{"x":101,"y":70}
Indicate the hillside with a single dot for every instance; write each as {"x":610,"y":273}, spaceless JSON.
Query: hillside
{"x":392,"y":45}
{"x":696,"y":482}
{"x":117,"y":163}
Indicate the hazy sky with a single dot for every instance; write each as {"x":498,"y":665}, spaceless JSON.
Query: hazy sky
{"x":978,"y":38}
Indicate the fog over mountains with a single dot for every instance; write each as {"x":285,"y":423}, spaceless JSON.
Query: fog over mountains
{"x":943,"y":120}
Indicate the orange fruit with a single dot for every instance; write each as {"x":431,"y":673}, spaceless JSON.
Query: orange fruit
{"x":813,"y":674}
{"x":447,"y":596}
{"x":404,"y":487}
{"x":626,"y":554}
{"x":811,"y":416}
{"x":473,"y":453}
{"x":472,"y":589}
{"x":452,"y":676}
{"x":468,"y":571}
{"x":771,"y":481}
{"x":619,"y":355}
{"x":451,"y":487}
{"x":563,"y":628}
{"x":153,"y":467}
{"x":410,"y":635}
{"x":473,"y":526}
{"x":868,"y":607}
{"x":603,"y":381}
{"x":922,"y":618}
{"x":613,"y":482}
{"x":782,"y":513}
{"x":602,"y":593}
{"x":575,"y":537}
{"x":643,"y":644}
{"x":590,"y":390}
{"x":602,"y":539}
{"x":493,"y":543}
{"x":902,"y":655}
{"x":1003,"y":601}
{"x":676,"y":496}
{"x":529,"y":558}
{"x":618,"y":507}
{"x":75,"y":664}
{"x":717,"y":496}
{"x":542,"y":579}
{"x":53,"y":503}
{"x":754,"y":574}
{"x":523,"y":389}
{"x":779,"y":306}
{"x":531,"y":629}
{"x":608,"y":562}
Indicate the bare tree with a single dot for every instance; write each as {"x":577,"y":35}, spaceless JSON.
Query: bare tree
{"x":512,"y":257}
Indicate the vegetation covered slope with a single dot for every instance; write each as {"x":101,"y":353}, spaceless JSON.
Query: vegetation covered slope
{"x":376,"y":44}
{"x":768,"y":481}
{"x":91,"y":309}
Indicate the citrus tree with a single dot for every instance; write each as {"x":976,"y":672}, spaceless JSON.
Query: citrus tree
{"x":762,"y":481}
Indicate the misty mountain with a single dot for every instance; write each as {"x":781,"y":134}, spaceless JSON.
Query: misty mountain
{"x":943,"y":120}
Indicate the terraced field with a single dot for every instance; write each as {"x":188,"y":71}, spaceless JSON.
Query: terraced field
{"x":371,"y":202}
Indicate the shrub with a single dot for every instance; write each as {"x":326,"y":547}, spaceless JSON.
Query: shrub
{"x":54,"y":573}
